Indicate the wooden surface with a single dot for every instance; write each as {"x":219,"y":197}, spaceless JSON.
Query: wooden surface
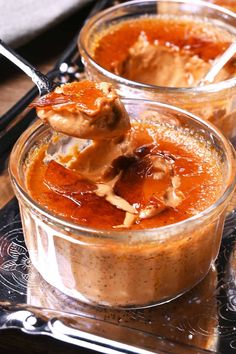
{"x":42,"y":53}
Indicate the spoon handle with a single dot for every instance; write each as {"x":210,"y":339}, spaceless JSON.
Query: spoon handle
{"x":42,"y":82}
{"x":219,"y":64}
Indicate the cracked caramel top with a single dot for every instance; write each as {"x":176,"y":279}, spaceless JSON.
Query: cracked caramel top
{"x":165,"y":176}
{"x":134,"y":176}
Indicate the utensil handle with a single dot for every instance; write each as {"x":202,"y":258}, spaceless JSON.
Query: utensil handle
{"x":219,"y":64}
{"x":42,"y":82}
{"x":31,"y":323}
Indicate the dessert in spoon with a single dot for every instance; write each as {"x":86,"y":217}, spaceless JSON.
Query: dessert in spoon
{"x":84,"y":110}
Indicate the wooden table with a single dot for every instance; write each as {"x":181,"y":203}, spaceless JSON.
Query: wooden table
{"x":42,"y":53}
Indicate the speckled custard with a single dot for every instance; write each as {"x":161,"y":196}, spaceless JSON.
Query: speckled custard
{"x":172,"y":177}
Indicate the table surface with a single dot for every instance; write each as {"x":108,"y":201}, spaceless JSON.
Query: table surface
{"x":42,"y":53}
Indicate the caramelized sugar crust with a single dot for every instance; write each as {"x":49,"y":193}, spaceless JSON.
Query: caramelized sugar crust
{"x":163,"y":51}
{"x":67,"y":194}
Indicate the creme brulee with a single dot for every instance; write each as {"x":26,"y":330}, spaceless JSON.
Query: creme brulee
{"x":159,"y":154}
{"x":169,"y":176}
{"x":162,"y":50}
{"x":132,"y":230}
{"x":124,"y":221}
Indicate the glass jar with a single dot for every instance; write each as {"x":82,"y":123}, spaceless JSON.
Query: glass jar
{"x":214,"y":102}
{"x":228,"y":4}
{"x":124,"y":268}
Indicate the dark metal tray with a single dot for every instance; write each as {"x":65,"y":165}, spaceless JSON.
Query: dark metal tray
{"x":201,"y":321}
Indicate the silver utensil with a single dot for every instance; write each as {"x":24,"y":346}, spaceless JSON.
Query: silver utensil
{"x":218,"y":64}
{"x":45,"y":86}
{"x":43,"y":83}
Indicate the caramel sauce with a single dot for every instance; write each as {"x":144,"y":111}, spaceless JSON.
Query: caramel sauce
{"x":67,"y":194}
{"x":82,"y":94}
{"x":199,"y":38}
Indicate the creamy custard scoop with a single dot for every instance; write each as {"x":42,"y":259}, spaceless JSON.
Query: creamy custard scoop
{"x":84,"y":110}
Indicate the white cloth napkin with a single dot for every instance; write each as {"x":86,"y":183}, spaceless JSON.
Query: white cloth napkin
{"x":22,"y":20}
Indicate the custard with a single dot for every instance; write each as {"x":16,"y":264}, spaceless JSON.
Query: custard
{"x":138,"y":272}
{"x":163,"y":51}
{"x":133,"y":223}
{"x":84,"y":110}
{"x":159,"y":157}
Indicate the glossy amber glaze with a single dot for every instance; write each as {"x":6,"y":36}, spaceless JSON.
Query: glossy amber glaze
{"x":84,"y":94}
{"x":200,"y":38}
{"x":66,"y":193}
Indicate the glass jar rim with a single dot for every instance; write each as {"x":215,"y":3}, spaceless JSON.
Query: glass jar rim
{"x":209,"y":88}
{"x":150,"y":233}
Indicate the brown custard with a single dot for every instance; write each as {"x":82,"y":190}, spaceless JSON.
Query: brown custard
{"x":84,"y":109}
{"x":162,"y":50}
{"x":151,"y":170}
{"x":132,"y":240}
{"x":170,"y":171}
{"x":143,"y":181}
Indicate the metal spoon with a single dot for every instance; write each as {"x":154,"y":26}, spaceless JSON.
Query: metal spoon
{"x":44,"y":85}
{"x":41,"y":80}
{"x":219,"y":63}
